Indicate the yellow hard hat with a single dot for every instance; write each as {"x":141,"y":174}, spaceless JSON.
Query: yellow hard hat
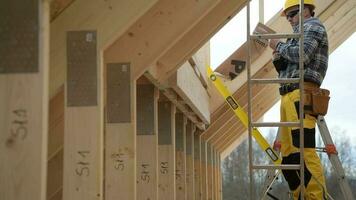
{"x":290,"y":3}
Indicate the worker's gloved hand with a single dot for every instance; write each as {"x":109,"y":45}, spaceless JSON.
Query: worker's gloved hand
{"x":279,"y":62}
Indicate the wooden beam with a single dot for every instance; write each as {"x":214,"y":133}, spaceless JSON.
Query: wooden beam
{"x":195,"y":38}
{"x":227,"y":129}
{"x":235,"y":137}
{"x":345,"y":32}
{"x":181,"y":105}
{"x":56,"y":124}
{"x":231,"y":146}
{"x":166,"y":150}
{"x":168,"y":19}
{"x":232,"y":140}
{"x":261,"y":11}
{"x":209,"y":171}
{"x":58,"y":6}
{"x":83,"y":132}
{"x":197,"y":165}
{"x":197,"y":72}
{"x":190,"y":159}
{"x":55,"y":144}
{"x":147,"y":141}
{"x":228,"y":138}
{"x":120,"y":137}
{"x":181,"y":183}
{"x":203,"y":174}
{"x":217,"y":169}
{"x":55,"y":175}
{"x":220,"y":178}
{"x":213,"y":171}
{"x":90,"y":15}
{"x":24,"y":50}
{"x":340,"y":26}
{"x":189,"y":88}
{"x":202,"y":59}
{"x":58,"y":196}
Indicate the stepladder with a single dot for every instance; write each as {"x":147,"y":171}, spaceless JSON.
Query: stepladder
{"x":330,"y":149}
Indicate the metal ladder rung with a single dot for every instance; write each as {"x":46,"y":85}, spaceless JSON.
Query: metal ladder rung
{"x":275,"y":80}
{"x":275,"y":36}
{"x":276,"y":167}
{"x":275,"y":124}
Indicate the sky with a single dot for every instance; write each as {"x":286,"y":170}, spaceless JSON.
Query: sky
{"x":339,"y":79}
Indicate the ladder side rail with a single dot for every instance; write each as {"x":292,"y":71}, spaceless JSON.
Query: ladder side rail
{"x":335,"y":160}
{"x":249,"y":99}
{"x":301,"y":101}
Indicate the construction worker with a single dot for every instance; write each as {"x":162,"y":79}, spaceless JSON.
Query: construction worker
{"x":286,"y":60}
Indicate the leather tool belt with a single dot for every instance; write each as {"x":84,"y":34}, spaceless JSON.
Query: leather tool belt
{"x":316,"y":100}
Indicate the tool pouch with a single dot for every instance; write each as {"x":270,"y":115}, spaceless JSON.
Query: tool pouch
{"x":316,"y":101}
{"x":320,"y":99}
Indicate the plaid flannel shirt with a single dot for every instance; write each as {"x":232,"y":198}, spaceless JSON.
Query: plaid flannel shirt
{"x":315,"y":53}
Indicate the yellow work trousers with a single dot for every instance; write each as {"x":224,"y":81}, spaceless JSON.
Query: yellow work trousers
{"x":314,"y":178}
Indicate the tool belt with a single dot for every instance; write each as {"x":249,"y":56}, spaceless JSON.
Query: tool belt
{"x":316,"y":100}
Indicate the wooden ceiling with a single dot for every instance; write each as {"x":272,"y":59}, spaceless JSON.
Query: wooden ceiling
{"x":185,"y":35}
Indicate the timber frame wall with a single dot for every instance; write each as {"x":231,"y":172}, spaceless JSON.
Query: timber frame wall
{"x":104,"y":100}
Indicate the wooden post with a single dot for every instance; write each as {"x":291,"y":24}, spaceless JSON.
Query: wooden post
{"x":209,"y":172}
{"x":220,"y":178}
{"x":190,"y":160}
{"x":197,"y":165}
{"x":83,"y":131}
{"x":213,"y":181}
{"x":55,"y":146}
{"x":120,"y":137}
{"x":24,"y":61}
{"x":147,"y":141}
{"x":216,"y":170}
{"x":203,"y":154}
{"x":181,"y":183}
{"x":261,"y":11}
{"x":166,"y":150}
